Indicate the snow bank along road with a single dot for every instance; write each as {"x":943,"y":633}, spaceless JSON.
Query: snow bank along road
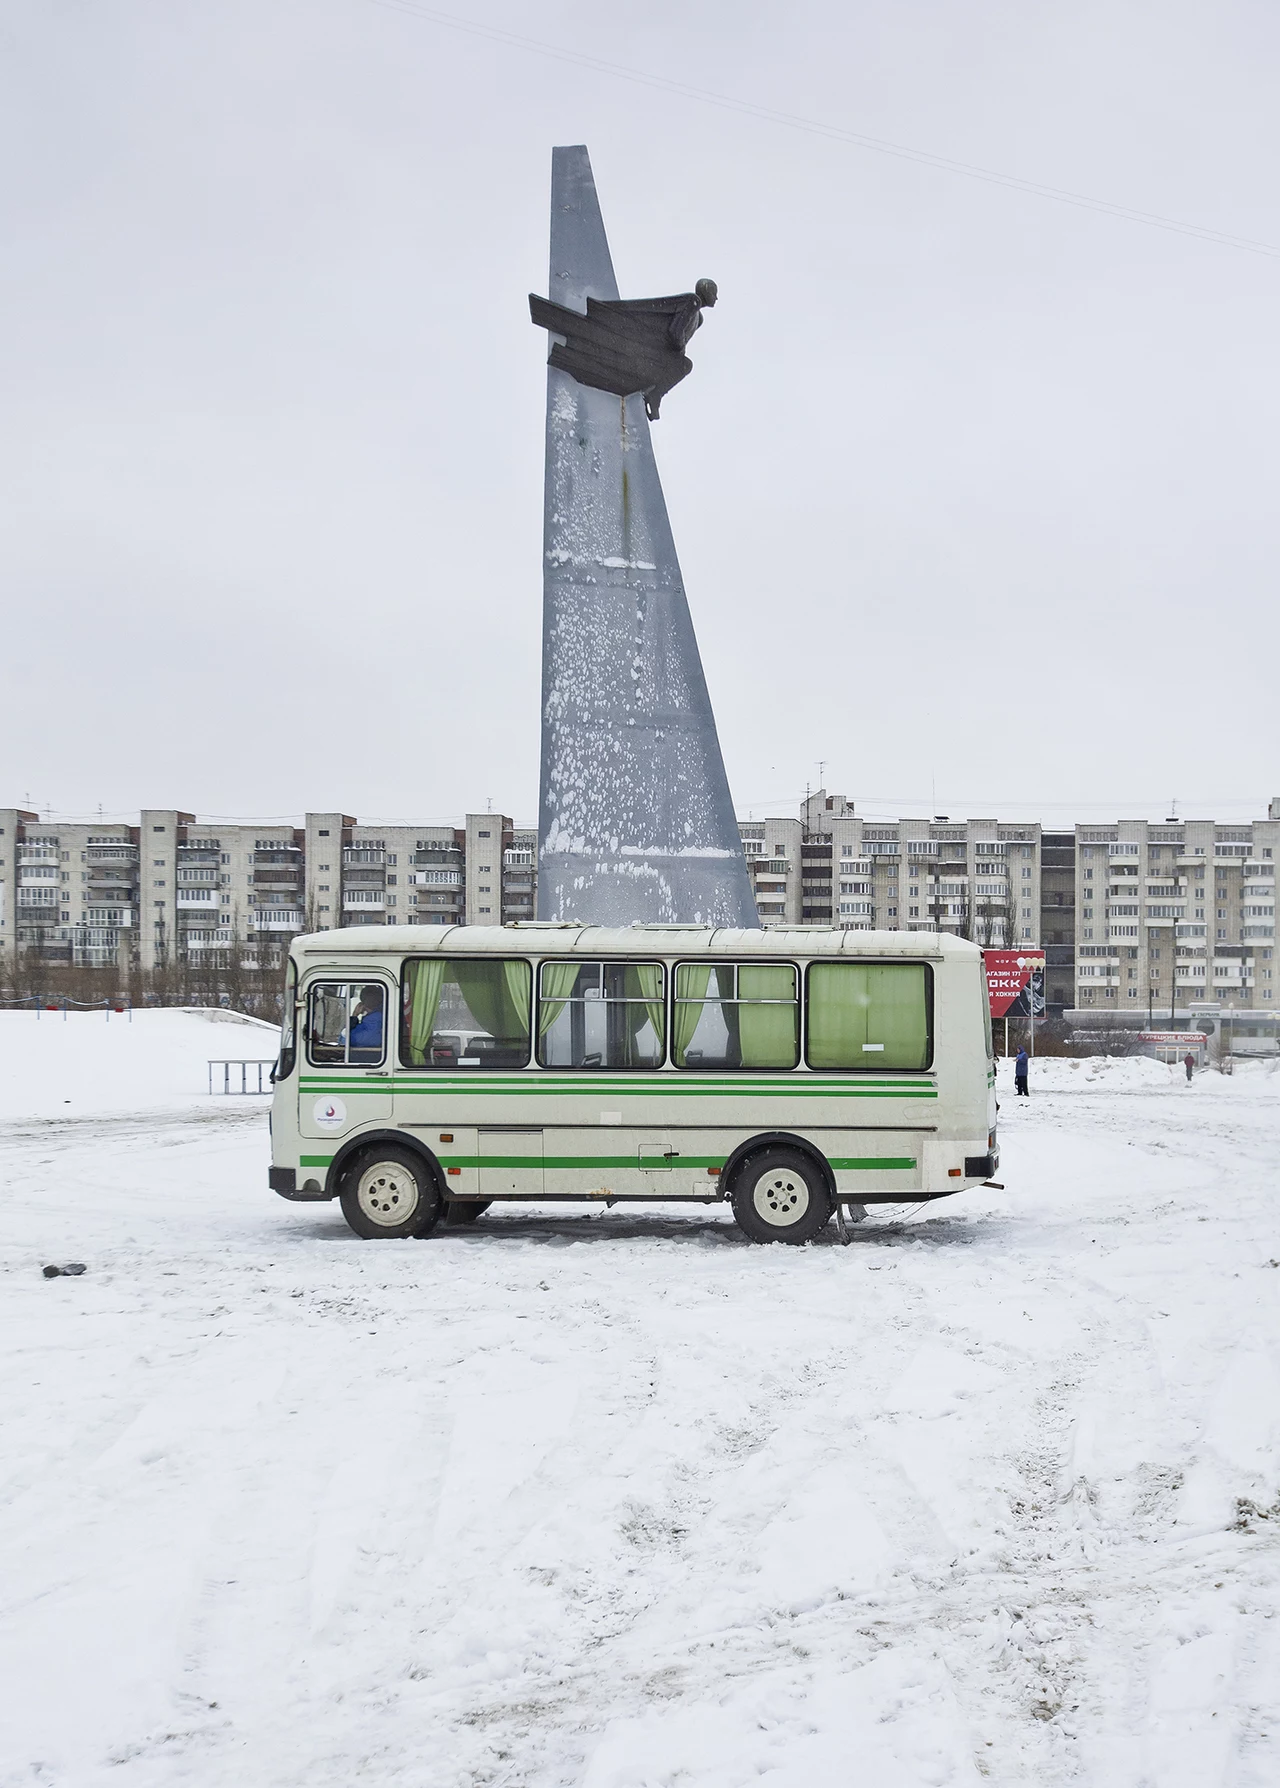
{"x":620,"y":1501}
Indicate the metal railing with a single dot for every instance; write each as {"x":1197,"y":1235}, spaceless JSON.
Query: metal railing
{"x":60,"y":1002}
{"x":255,"y":1076}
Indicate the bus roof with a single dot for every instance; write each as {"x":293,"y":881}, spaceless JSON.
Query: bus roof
{"x":564,"y":939}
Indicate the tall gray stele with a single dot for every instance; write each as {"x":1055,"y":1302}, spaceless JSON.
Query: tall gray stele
{"x":635,"y":820}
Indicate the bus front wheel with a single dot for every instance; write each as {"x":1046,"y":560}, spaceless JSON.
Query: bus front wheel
{"x":387,"y":1193}
{"x":780,"y":1195}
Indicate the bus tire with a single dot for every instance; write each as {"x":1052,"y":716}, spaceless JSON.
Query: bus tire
{"x":464,"y":1210}
{"x":780,"y":1195}
{"x":389,"y":1193}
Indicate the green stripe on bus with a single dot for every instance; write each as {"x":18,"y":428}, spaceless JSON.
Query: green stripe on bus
{"x":850,"y":1164}
{"x":471,"y":1089}
{"x":670,"y":1083}
{"x":315,"y":1160}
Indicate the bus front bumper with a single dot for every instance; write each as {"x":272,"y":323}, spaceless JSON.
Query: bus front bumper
{"x":284,"y":1180}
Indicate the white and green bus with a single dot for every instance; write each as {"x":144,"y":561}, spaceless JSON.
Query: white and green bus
{"x":427,"y":1074}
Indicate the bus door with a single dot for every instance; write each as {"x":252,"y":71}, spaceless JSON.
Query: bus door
{"x":346,"y":1082}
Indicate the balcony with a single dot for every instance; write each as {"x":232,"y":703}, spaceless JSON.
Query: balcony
{"x":111,"y":853}
{"x":363,"y":899}
{"x":277,"y":918}
{"x":202,"y":897}
{"x":436,"y":878}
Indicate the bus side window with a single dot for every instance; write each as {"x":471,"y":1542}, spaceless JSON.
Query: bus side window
{"x":601,"y":1014}
{"x":873,"y":1016}
{"x":465,"y":1012}
{"x":735,"y":1015}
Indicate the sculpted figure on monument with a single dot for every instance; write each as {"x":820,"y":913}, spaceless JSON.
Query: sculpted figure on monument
{"x":626,"y":345}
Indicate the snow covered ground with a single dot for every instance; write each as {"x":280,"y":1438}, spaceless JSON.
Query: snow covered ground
{"x":619,"y":1501}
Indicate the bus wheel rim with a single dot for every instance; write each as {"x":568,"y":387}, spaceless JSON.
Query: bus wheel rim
{"x":781,"y":1198}
{"x":387,"y":1193}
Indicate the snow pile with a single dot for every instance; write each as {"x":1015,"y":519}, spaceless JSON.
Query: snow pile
{"x":89,"y":1063}
{"x":1135,"y":1073}
{"x":1057,"y":1073}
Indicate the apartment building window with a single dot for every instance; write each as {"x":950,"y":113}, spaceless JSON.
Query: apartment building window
{"x":1026,"y":931}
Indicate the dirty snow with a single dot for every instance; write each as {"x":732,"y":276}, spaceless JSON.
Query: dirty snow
{"x":617,"y":1500}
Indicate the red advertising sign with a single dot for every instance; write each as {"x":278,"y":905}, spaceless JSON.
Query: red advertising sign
{"x":1015,"y":982}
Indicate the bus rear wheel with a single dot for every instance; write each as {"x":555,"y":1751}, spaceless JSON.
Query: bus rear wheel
{"x":388,"y":1193}
{"x":780,"y":1195}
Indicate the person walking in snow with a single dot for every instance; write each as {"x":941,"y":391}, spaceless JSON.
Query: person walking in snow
{"x":1189,"y":1061}
{"x":1020,"y":1074}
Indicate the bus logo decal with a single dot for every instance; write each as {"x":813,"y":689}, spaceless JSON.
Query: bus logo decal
{"x":329,"y":1114}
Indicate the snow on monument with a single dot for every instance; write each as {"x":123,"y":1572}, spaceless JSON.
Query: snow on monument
{"x":635,"y":821}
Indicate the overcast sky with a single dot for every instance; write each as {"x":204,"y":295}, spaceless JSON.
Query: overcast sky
{"x":974,"y":492}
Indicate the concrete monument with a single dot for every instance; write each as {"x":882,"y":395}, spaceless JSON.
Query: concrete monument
{"x":635,"y":822}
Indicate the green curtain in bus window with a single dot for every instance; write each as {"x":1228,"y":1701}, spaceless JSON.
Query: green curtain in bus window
{"x":422,"y":983}
{"x":692,"y":981}
{"x":769,"y":1034}
{"x":498,"y":995}
{"x":643,"y":981}
{"x":868,"y":1015}
{"x":557,"y":984}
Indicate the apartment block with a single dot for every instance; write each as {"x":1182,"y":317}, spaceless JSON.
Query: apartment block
{"x":175,"y":887}
{"x":975,"y":878}
{"x":1175,"y":917}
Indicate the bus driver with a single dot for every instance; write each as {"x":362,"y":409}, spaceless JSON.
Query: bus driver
{"x":366,"y":1023}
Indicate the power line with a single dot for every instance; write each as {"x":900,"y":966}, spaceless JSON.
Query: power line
{"x":818,"y":127}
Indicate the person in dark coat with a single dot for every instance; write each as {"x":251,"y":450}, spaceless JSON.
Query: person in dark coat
{"x":1189,"y":1062}
{"x":1020,"y":1074}
{"x":366,"y":1026}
